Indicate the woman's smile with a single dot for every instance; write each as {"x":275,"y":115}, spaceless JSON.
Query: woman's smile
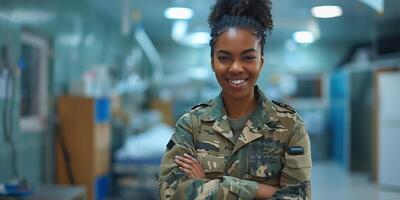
{"x":237,"y":83}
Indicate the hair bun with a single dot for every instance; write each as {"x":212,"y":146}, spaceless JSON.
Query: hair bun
{"x":259,"y":10}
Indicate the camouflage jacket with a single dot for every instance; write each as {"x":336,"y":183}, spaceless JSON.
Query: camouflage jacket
{"x":273,"y":149}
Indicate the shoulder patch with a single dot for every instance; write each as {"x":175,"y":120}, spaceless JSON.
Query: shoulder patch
{"x":170,"y":144}
{"x":288,"y":107}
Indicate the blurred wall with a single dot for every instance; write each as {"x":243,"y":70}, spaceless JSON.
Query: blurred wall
{"x":80,"y":37}
{"x":320,"y":57}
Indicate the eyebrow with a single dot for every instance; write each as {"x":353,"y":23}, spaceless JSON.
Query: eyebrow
{"x":244,"y":52}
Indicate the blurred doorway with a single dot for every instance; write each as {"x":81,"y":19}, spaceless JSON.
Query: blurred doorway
{"x":34,"y":99}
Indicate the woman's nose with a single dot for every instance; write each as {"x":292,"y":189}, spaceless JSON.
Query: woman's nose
{"x":236,"y":67}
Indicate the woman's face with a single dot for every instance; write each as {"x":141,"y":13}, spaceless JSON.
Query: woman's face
{"x":237,"y":62}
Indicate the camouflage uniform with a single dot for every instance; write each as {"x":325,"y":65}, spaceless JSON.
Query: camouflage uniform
{"x":233,"y":170}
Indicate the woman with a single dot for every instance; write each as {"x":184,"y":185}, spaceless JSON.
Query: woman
{"x":239,"y":145}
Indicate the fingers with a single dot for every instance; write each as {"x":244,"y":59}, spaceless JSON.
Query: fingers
{"x":186,"y":159}
{"x":186,"y":165}
{"x":187,"y":172}
{"x":183,"y":163}
{"x":190,"y":166}
{"x":191,"y":158}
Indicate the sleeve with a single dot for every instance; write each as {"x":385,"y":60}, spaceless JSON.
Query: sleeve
{"x":174,"y":184}
{"x":296,"y":173}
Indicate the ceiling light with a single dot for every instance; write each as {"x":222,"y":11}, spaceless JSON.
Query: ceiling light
{"x":303,"y":37}
{"x":378,"y":5}
{"x":26,"y":16}
{"x":178,"y":13}
{"x":326,"y":11}
{"x":199,"y":38}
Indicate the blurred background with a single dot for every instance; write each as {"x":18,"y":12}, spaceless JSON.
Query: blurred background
{"x":90,"y":91}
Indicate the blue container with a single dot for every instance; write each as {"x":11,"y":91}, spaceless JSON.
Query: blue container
{"x":102,"y":110}
{"x":102,"y":187}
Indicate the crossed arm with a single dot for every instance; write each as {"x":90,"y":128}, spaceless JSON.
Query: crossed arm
{"x":183,"y":178}
{"x":192,"y":168}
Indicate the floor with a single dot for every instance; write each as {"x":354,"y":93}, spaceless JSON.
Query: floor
{"x":331,"y":182}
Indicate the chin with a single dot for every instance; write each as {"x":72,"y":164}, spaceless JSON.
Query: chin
{"x":237,"y":94}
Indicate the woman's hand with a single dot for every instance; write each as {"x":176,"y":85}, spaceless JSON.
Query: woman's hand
{"x":265,"y":191}
{"x":191,"y":166}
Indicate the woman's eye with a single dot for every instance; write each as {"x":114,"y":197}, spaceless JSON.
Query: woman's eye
{"x":249,"y":58}
{"x":223,"y":58}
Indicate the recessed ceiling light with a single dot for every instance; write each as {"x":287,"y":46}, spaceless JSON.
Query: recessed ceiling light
{"x":28,"y":16}
{"x":178,"y":13}
{"x":199,"y":38}
{"x":326,"y":11}
{"x":303,"y":37}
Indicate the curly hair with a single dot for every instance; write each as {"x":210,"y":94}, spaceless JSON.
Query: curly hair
{"x":257,"y":10}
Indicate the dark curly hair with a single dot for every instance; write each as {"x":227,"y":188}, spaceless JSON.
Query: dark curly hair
{"x":258,"y":10}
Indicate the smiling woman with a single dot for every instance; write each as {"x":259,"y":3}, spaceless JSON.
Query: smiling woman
{"x":239,"y":145}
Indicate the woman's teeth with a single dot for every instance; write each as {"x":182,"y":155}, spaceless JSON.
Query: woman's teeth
{"x":236,"y":82}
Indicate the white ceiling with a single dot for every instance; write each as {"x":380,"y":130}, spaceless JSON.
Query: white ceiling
{"x":359,"y":22}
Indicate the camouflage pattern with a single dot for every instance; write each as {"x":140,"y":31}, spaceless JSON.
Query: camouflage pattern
{"x":234,"y":170}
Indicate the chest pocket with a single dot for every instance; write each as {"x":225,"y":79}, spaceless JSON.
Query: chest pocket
{"x":265,"y":159}
{"x":213,"y":164}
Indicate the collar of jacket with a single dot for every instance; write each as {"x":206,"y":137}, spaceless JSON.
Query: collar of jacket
{"x":262,"y":118}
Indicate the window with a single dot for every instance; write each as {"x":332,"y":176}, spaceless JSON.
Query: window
{"x":308,"y":87}
{"x":33,"y":63}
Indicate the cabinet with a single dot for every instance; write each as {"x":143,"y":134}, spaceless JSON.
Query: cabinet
{"x":350,"y":118}
{"x":83,"y":143}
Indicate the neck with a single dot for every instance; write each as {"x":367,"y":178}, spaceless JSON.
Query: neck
{"x":237,"y":108}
